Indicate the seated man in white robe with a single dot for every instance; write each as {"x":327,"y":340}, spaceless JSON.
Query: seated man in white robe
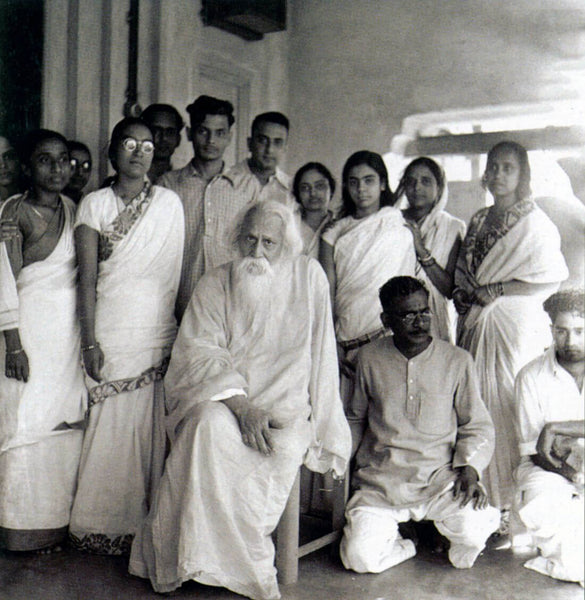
{"x":424,"y":437}
{"x":551,"y":429}
{"x":252,"y":393}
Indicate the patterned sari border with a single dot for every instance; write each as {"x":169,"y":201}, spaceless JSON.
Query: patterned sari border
{"x":123,"y":223}
{"x":100,"y":392}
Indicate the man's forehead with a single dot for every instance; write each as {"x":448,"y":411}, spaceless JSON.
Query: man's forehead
{"x":262,"y":223}
{"x":570,"y":319}
{"x":415,"y":301}
{"x":215,"y":122}
{"x":163,"y":119}
{"x":271,"y":130}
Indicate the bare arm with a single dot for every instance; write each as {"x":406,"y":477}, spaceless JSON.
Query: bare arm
{"x":328,"y":264}
{"x":16,"y":363}
{"x":512,"y":288}
{"x":86,"y":245}
{"x":442,"y":278}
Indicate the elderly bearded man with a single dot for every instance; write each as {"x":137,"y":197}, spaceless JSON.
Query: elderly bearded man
{"x":550,"y":425}
{"x":424,"y":438}
{"x":252,"y":391}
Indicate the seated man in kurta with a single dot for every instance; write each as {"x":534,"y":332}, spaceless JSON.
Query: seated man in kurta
{"x":252,"y":393}
{"x":424,"y":438}
{"x":551,"y":429}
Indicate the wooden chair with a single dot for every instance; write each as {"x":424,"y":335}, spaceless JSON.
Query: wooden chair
{"x":288,"y":546}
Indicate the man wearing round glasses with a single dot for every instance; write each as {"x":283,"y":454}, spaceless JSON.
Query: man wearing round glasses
{"x":80,"y":170}
{"x":423,"y":436}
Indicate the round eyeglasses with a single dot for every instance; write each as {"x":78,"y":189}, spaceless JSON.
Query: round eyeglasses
{"x":130,"y":144}
{"x":82,"y":166}
{"x":410,"y":317}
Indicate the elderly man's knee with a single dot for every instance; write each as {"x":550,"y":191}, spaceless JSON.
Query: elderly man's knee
{"x":357,"y":555}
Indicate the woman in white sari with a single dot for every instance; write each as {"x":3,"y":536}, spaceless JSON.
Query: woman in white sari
{"x":42,"y":395}
{"x":509,"y":262}
{"x":437,"y":238}
{"x":129,"y":239}
{"x":360,"y":252}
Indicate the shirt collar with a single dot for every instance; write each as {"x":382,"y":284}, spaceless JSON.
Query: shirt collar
{"x":281,"y":177}
{"x":193,"y":172}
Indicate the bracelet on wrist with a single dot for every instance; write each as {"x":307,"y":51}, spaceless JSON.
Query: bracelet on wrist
{"x":14,"y":352}
{"x":426,"y":261}
{"x":90,"y":347}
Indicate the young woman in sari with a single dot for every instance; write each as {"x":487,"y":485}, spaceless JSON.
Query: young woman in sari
{"x":437,"y":237}
{"x":313,"y":188}
{"x":129,"y":239}
{"x":360,"y":252}
{"x":10,"y":172}
{"x":42,"y":394}
{"x":509,"y":262}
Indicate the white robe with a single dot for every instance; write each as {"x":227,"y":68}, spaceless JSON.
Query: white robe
{"x":218,"y":500}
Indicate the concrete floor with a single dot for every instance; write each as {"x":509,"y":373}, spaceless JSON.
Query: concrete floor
{"x":497,"y":575}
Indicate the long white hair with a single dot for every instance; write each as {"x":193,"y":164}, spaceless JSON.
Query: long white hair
{"x":292,"y":242}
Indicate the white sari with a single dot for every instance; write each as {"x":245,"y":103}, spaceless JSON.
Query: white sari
{"x":367,"y":252}
{"x":39,"y":451}
{"x":512,"y":330}
{"x":138,"y":278}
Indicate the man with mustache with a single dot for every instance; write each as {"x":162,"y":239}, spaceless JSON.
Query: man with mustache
{"x":424,"y":438}
{"x":252,"y":392}
{"x":551,"y":429}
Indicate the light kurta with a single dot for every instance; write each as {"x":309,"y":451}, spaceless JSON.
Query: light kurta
{"x":550,"y":506}
{"x":219,"y":500}
{"x":512,"y":330}
{"x":423,"y":417}
{"x":39,"y":459}
{"x":135,"y":326}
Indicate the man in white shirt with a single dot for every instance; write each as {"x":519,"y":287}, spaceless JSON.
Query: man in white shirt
{"x":551,"y":429}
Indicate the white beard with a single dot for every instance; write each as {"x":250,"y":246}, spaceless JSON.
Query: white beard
{"x":253,"y":288}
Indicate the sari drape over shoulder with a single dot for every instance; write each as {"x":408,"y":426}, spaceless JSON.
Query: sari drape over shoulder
{"x":512,"y":330}
{"x":219,"y":500}
{"x":367,"y":252}
{"x":140,"y":254}
{"x":40,"y":440}
{"x":440,"y":231}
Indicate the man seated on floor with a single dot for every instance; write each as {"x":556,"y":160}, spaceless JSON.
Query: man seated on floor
{"x":550,"y":424}
{"x":424,"y":437}
{"x":252,"y":392}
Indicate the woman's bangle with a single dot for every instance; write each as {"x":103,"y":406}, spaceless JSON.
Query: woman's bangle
{"x":14,"y":352}
{"x":426,"y":261}
{"x":495,"y":290}
{"x":90,"y":347}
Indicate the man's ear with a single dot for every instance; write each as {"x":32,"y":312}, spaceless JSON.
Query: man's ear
{"x":385,"y":318}
{"x":188,"y":132}
{"x":249,"y":142}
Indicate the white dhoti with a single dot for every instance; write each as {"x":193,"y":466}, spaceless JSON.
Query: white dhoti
{"x":371,"y":542}
{"x":551,"y":508}
{"x":217,"y":505}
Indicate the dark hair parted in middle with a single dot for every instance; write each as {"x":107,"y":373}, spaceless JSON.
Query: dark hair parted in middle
{"x":523,"y":190}
{"x":28,"y":143}
{"x":312,"y":166}
{"x":118,"y":134}
{"x":374,"y":161}
{"x":399,"y":287}
{"x":431,"y":165}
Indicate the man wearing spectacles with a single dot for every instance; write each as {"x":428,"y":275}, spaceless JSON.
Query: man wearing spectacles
{"x":80,"y":157}
{"x":423,"y":436}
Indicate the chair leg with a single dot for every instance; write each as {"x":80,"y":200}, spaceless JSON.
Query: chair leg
{"x":287,"y":537}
